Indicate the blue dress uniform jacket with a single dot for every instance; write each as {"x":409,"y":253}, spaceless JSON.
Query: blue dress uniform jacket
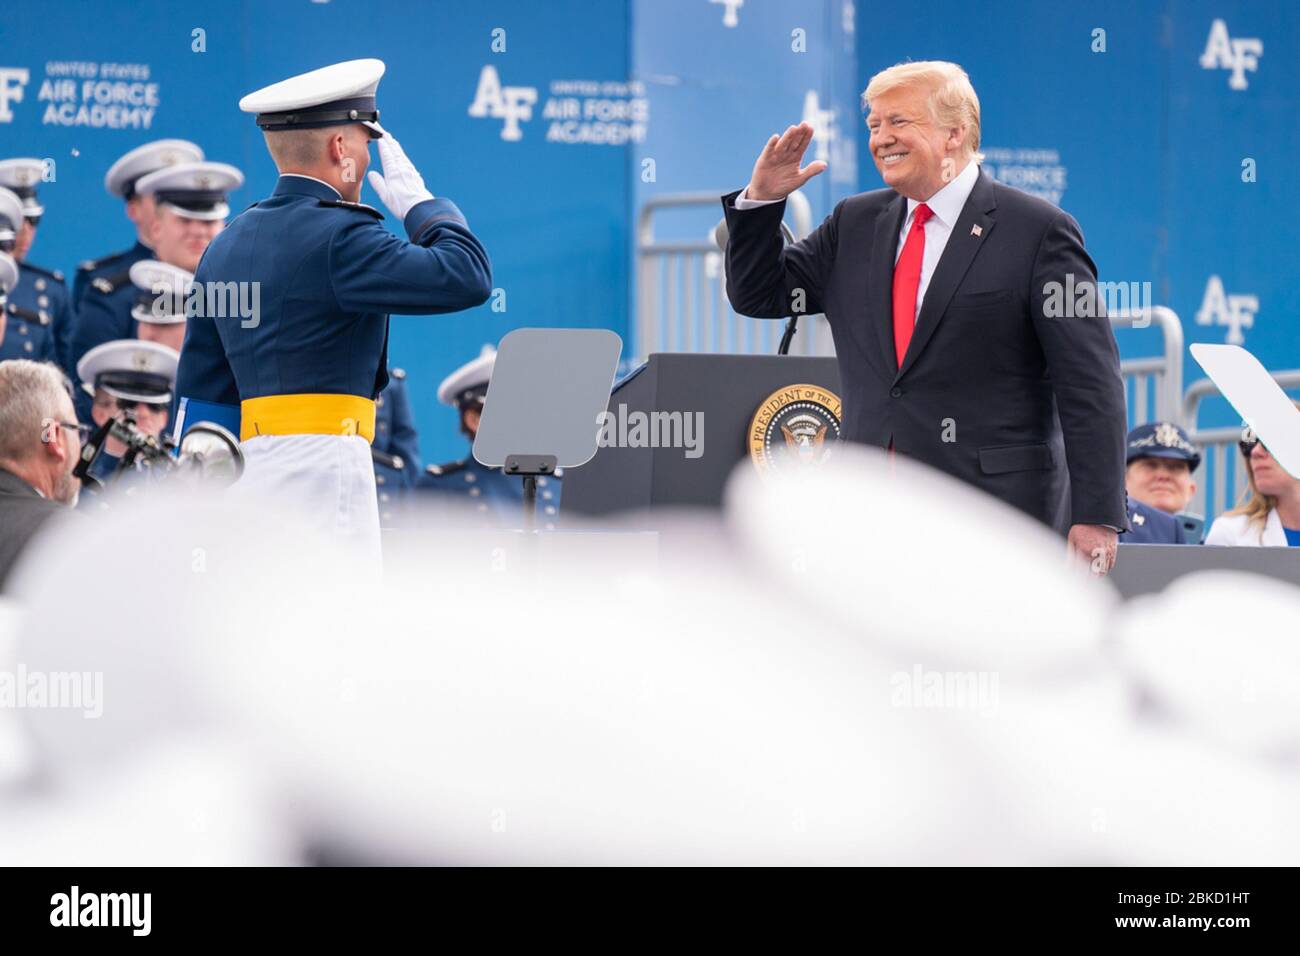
{"x":329,"y":274}
{"x":1148,"y":525}
{"x":41,"y":306}
{"x":27,"y":335}
{"x":105,"y":267}
{"x":103,"y":315}
{"x":395,"y":434}
{"x":495,"y":497}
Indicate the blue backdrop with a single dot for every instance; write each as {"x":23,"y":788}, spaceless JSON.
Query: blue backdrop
{"x":1142,"y":136}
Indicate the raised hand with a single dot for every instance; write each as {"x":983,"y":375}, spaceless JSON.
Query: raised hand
{"x":401,"y":186}
{"x":777,"y":172}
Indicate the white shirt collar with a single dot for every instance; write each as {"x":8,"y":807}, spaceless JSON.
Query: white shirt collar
{"x":336,"y":192}
{"x":948,"y":202}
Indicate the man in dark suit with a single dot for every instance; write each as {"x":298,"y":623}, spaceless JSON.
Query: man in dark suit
{"x":39,"y":446}
{"x":965,"y":313}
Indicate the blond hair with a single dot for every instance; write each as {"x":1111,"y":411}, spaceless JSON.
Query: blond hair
{"x":1252,"y":503}
{"x":952,"y":99}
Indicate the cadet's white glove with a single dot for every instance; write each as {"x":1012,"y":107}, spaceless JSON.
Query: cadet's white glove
{"x":401,"y":187}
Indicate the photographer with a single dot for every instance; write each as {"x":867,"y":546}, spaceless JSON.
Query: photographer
{"x":39,"y":445}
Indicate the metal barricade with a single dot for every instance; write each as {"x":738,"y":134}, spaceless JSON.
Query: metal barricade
{"x":1153,"y":385}
{"x":681,"y":295}
{"x":1221,"y":479}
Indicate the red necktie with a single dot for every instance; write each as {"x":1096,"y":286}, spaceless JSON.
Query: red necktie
{"x":907,"y":280}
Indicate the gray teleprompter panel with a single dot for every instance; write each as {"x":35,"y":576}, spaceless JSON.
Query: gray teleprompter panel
{"x":548,"y":390}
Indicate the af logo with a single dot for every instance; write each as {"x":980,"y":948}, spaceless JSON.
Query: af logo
{"x":509,"y":103}
{"x":729,"y":17}
{"x":1222,"y":52}
{"x":823,"y":124}
{"x":12,"y":81}
{"x":1234,"y":311}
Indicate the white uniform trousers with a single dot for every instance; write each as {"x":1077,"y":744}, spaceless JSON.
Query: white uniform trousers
{"x":328,"y":479}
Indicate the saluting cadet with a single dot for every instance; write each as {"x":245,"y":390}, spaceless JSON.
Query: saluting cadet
{"x":190,"y":208}
{"x":124,"y":376}
{"x":41,"y":298}
{"x":120,"y":181}
{"x":21,"y":335}
{"x":396,"y":448}
{"x":496,"y":496}
{"x":305,"y":371}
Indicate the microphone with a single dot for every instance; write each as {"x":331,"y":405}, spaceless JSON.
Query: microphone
{"x":720,"y":235}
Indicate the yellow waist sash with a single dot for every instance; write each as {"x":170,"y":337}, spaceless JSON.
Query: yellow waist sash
{"x":307,"y":414}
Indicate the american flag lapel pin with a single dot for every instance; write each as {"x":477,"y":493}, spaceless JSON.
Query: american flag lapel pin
{"x":976,"y":230}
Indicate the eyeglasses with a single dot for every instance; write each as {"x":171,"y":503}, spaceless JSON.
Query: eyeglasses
{"x":1247,"y":445}
{"x":81,"y":430}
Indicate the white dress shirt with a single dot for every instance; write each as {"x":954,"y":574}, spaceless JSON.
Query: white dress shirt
{"x":946,"y":205}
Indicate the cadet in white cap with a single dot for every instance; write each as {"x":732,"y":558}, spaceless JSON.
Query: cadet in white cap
{"x":120,"y":181}
{"x":190,"y":207}
{"x":21,"y":335}
{"x":128,"y":376}
{"x":41,"y":299}
{"x":159,"y":309}
{"x":300,"y":379}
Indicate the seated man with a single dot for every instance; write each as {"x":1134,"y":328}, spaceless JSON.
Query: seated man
{"x":1160,"y":461}
{"x":127,"y":376}
{"x":39,"y":447}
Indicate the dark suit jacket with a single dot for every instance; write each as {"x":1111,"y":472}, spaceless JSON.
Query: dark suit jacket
{"x":22,"y":512}
{"x":1036,"y":404}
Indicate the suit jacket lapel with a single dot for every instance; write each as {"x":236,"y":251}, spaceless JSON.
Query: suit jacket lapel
{"x":957,"y":256}
{"x":880,"y":277}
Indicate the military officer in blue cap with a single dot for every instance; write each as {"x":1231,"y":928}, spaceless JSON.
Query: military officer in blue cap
{"x":189,"y":208}
{"x":1161,"y":461}
{"x":120,"y":181}
{"x":21,"y":334}
{"x":303,"y":374}
{"x":396,"y":449}
{"x":41,"y":298}
{"x":496,"y":496}
{"x":127,"y":376}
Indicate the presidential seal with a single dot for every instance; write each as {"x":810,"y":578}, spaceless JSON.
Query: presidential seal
{"x":794,"y":427}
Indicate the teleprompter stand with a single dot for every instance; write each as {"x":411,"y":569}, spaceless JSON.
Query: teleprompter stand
{"x":544,"y":404}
